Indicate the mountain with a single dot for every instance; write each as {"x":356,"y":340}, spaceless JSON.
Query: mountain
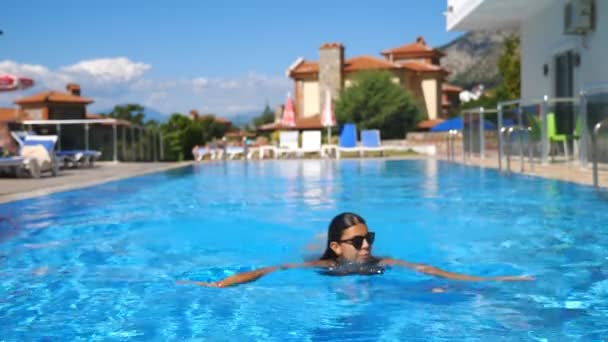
{"x":242,"y":119}
{"x":473,"y":58}
{"x":150,"y":114}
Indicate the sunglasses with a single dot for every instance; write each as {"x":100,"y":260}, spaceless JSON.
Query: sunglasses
{"x":357,"y":241}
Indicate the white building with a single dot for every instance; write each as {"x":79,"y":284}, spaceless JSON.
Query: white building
{"x":564,"y":42}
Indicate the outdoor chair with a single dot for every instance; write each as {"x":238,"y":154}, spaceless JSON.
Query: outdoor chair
{"x":77,"y":158}
{"x":347,"y":141}
{"x":370,"y":142}
{"x":20,"y":166}
{"x":199,"y":153}
{"x":555,"y":137}
{"x":311,"y":143}
{"x":288,"y":143}
{"x":42,"y":149}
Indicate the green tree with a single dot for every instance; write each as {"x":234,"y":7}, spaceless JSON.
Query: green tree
{"x":181,"y":134}
{"x":374,"y":101}
{"x":131,"y":112}
{"x":509,"y":65}
{"x":267,"y":116}
{"x":509,"y":88}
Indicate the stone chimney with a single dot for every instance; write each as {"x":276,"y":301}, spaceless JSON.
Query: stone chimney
{"x":194,"y":114}
{"x":331,"y":62}
{"x":73,"y":89}
{"x":278,"y":113}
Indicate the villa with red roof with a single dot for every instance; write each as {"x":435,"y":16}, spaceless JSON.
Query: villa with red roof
{"x":413,"y":66}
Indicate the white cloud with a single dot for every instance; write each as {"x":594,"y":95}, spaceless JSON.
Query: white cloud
{"x":111,"y":81}
{"x":119,"y":69}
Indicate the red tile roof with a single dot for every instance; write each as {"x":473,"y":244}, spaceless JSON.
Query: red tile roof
{"x":367,"y":63}
{"x":53,"y":96}
{"x":311,"y":122}
{"x":428,"y":124}
{"x":416,"y":49}
{"x":446,"y":87}
{"x":423,"y":67}
{"x":305,"y":68}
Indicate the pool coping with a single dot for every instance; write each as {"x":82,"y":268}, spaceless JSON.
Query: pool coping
{"x":17,"y":196}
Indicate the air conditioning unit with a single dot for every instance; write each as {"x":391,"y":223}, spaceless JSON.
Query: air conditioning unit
{"x":579,"y":17}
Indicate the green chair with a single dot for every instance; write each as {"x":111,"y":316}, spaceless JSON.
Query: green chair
{"x":554,"y":137}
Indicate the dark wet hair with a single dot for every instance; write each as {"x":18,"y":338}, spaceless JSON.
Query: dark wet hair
{"x":339,"y":223}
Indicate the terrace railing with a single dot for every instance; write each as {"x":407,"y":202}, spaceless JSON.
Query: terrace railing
{"x":136,"y":142}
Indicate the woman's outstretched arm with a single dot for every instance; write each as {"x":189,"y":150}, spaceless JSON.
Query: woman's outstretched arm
{"x":449,"y":275}
{"x":246,"y":277}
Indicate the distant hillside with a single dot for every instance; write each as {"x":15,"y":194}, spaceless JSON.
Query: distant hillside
{"x":472,"y":58}
{"x":149,"y":114}
{"x":242,"y":119}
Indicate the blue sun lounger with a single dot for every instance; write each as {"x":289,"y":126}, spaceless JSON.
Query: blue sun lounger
{"x":77,"y":158}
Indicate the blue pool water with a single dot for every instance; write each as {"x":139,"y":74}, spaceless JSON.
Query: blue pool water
{"x":101,"y":263}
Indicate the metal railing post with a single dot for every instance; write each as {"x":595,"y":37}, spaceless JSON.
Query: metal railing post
{"x":499,"y":131}
{"x":584,"y":138}
{"x":509,"y":131}
{"x":482,"y":142}
{"x":544,"y":134}
{"x":58,"y":136}
{"x":521,"y":148}
{"x":464,"y":161}
{"x":124,"y":143}
{"x":162,"y":148}
{"x":115,"y":147}
{"x":594,"y":153}
{"x":86,"y":136}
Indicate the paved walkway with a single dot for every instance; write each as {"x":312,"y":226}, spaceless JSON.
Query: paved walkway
{"x":569,"y":172}
{"x":12,"y":189}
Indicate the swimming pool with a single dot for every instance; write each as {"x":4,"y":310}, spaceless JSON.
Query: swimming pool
{"x":101,"y":263}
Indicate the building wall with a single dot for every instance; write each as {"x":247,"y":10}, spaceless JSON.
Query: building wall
{"x":543,"y":39}
{"x":35,"y":112}
{"x":310,"y":98}
{"x":431,"y":90}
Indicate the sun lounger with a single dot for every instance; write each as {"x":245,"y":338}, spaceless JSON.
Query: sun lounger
{"x":199,"y":153}
{"x":232,"y":152}
{"x":370,"y":142}
{"x":311,"y":143}
{"x":347,"y":141}
{"x":77,"y":158}
{"x":42,"y":149}
{"x":288,"y":143}
{"x":20,"y":166}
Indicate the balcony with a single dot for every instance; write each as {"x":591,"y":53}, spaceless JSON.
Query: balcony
{"x":471,"y":15}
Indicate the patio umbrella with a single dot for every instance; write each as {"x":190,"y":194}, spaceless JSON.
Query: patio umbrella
{"x":11,"y":82}
{"x":289,"y":117}
{"x":328,"y":117}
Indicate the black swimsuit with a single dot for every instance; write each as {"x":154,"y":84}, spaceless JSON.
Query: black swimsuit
{"x":370,"y":267}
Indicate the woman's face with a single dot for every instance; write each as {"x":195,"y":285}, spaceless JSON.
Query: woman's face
{"x":344,"y":248}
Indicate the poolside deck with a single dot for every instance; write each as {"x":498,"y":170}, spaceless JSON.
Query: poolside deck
{"x":12,"y":189}
{"x":569,"y":172}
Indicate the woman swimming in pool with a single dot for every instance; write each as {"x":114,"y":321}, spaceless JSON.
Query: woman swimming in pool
{"x":349,"y":245}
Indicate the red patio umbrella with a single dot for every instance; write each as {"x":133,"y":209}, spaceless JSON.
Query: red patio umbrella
{"x":11,"y":82}
{"x":328,"y":117}
{"x":289,"y":117}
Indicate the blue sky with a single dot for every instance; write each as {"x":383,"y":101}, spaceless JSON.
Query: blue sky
{"x":226,"y":58}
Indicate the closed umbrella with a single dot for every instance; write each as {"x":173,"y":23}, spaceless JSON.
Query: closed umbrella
{"x":289,"y":117}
